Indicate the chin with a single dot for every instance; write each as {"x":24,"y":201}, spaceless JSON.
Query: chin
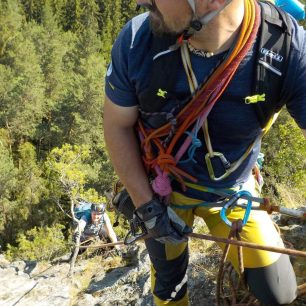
{"x":159,"y":27}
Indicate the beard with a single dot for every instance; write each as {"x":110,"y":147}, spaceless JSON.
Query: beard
{"x":158,"y":25}
{"x":157,"y":22}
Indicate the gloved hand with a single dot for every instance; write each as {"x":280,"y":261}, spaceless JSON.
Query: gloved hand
{"x":162,"y":223}
{"x":76,"y":237}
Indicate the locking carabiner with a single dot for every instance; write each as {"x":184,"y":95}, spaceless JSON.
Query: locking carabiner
{"x":232,"y":202}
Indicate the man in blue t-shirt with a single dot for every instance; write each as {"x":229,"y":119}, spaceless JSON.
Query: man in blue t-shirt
{"x":231,"y":133}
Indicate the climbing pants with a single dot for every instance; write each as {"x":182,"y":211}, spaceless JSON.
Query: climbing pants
{"x":270,"y":276}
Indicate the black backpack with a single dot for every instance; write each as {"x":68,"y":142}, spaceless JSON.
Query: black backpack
{"x":272,"y":56}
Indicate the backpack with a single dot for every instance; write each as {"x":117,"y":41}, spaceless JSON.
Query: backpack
{"x":82,"y":209}
{"x":272,"y":55}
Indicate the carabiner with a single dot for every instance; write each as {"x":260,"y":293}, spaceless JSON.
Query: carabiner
{"x":232,"y":202}
{"x":138,"y":231}
{"x":226,"y":164}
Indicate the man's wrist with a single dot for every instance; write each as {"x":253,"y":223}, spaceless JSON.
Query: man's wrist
{"x":150,"y":209}
{"x":143,"y":200}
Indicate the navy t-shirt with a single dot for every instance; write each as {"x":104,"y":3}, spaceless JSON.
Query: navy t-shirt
{"x":233,"y":125}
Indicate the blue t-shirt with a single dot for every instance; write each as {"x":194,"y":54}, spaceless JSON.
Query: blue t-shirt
{"x":233,"y":125}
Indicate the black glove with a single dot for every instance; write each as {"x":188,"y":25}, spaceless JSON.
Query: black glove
{"x":76,"y":237}
{"x":123,"y":203}
{"x":162,"y":223}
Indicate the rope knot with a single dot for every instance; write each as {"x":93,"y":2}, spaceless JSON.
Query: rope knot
{"x":162,"y":185}
{"x":236,"y":229}
{"x":165,"y":160}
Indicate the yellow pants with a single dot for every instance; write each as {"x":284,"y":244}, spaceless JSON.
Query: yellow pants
{"x":169,"y":261}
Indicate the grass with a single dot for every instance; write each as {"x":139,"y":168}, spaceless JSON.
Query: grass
{"x":200,"y":245}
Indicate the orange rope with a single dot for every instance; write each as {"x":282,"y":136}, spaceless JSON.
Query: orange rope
{"x":189,"y":114}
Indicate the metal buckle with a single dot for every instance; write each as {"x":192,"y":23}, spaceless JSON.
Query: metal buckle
{"x":232,"y":202}
{"x":137,"y":232}
{"x":226,"y":164}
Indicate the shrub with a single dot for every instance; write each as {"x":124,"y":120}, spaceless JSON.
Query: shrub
{"x":44,"y":243}
{"x":285,"y":160}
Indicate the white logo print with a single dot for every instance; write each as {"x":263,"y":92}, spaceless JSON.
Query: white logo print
{"x":109,"y":70}
{"x":271,"y":54}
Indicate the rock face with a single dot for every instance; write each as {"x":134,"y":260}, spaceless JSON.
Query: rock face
{"x":114,"y":281}
{"x":28,"y":283}
{"x":31,"y":283}
{"x":294,"y":232}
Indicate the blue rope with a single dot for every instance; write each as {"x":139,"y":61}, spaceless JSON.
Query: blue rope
{"x":195,"y":144}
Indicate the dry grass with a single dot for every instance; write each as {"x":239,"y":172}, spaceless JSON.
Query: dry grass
{"x":290,"y":197}
{"x":199,"y":245}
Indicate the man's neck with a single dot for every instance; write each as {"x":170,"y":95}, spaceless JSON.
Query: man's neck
{"x":221,"y":32}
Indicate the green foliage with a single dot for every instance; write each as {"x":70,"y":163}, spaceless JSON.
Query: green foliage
{"x":53,"y":59}
{"x":7,"y":183}
{"x":7,"y":170}
{"x":91,"y":195}
{"x":66,"y":168}
{"x":122,"y":229}
{"x":285,"y":159}
{"x":102,"y":175}
{"x":39,"y":244}
{"x":33,"y":9}
{"x":22,"y":92}
{"x":21,"y":196}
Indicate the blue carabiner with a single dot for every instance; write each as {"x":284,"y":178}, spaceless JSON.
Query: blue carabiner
{"x":232,"y":203}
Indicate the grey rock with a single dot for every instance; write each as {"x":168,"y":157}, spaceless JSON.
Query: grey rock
{"x":3,"y":261}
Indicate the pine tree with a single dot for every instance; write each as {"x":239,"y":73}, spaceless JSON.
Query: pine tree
{"x":33,"y":9}
{"x":22,"y":86}
{"x":51,"y":44}
{"x":127,"y":10}
{"x":70,"y":15}
{"x":11,"y":20}
{"x":7,"y":185}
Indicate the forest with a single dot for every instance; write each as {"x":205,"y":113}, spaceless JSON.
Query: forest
{"x":53,"y":59}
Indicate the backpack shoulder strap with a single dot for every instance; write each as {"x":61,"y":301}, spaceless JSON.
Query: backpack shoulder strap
{"x":271,"y":63}
{"x":162,"y":76}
